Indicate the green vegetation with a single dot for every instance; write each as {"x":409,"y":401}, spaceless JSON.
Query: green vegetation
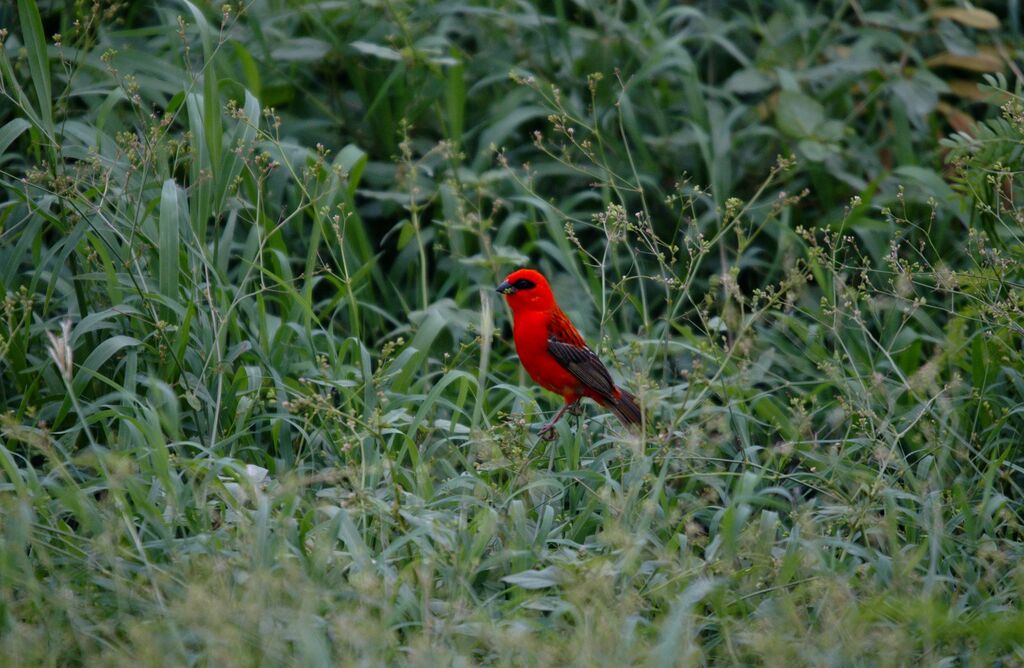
{"x":259,"y":404}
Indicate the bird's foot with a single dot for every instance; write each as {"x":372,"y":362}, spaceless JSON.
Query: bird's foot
{"x":576,"y":408}
{"x":547,"y":432}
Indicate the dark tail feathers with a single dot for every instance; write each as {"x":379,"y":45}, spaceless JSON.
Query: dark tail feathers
{"x":625,"y":407}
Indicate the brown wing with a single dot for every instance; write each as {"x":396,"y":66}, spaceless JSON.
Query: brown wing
{"x":570,"y":350}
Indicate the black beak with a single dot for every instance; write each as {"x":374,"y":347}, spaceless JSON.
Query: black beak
{"x":506,"y":288}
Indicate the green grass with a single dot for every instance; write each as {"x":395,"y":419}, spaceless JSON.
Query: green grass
{"x":260,"y":404}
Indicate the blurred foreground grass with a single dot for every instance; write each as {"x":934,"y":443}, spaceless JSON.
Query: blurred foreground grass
{"x":259,"y":401}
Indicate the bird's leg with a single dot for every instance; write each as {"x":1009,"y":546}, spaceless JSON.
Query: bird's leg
{"x":547,"y":432}
{"x":576,"y":410}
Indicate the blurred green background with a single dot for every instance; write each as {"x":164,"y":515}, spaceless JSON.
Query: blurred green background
{"x":260,"y":404}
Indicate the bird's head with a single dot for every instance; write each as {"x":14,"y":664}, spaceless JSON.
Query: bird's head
{"x":527,"y":290}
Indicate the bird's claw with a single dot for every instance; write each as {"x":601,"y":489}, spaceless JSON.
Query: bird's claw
{"x":576,"y":409}
{"x":547,"y":432}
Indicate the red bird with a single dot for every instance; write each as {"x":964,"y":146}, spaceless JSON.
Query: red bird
{"x":554,"y":353}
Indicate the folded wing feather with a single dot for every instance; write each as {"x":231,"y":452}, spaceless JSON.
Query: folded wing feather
{"x":584,"y":365}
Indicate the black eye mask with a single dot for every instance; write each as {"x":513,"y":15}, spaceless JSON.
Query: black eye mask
{"x":507,"y":288}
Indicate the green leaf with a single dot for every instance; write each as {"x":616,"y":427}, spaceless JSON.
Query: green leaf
{"x":503,"y":255}
{"x":301,"y":50}
{"x":749,"y":81}
{"x":202,"y":166}
{"x":815,"y":151}
{"x":930,"y":181}
{"x":103,"y":352}
{"x":376,"y":50}
{"x":798,"y":115}
{"x":205,"y":31}
{"x":352,"y":160}
{"x":455,"y":99}
{"x":38,"y":62}
{"x":12,"y":131}
{"x":426,"y":332}
{"x":243,"y":135}
{"x":405,"y":234}
{"x":250,"y":70}
{"x":831,"y":130}
{"x":536,"y":579}
{"x":172,"y":217}
{"x":919,"y":94}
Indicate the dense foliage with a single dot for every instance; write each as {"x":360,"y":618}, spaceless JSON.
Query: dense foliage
{"x":259,"y":401}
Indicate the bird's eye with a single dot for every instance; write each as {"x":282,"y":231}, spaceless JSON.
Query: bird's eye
{"x":524,"y":284}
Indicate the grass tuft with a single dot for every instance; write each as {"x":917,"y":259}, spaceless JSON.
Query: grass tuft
{"x":260,"y":403}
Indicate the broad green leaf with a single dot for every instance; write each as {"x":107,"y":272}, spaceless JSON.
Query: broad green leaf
{"x":11,"y":131}
{"x":920,"y":93}
{"x":205,"y":31}
{"x":406,"y":233}
{"x":98,"y":357}
{"x":749,"y":81}
{"x":536,"y":579}
{"x":173,"y":215}
{"x":798,"y":115}
{"x":376,"y":50}
{"x":455,"y":99}
{"x":930,"y":180}
{"x":352,"y":160}
{"x":202,"y":163}
{"x":243,"y":136}
{"x":253,"y":80}
{"x":500,"y":254}
{"x":301,"y":50}
{"x":38,"y":61}
{"x":815,"y":151}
